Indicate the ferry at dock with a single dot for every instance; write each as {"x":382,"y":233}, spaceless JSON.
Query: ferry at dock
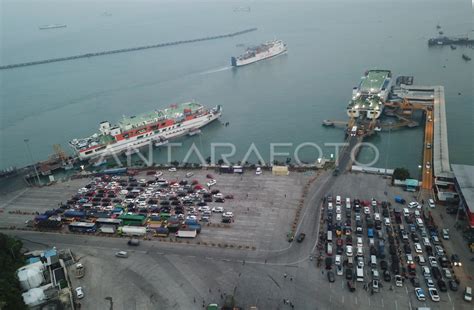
{"x":369,"y":97}
{"x":154,"y":127}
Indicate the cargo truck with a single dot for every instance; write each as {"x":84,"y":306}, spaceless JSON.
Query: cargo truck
{"x":186,"y":233}
{"x":132,"y":230}
{"x":107,"y":229}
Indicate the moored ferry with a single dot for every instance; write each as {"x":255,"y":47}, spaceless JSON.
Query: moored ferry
{"x":154,"y":127}
{"x":369,"y":97}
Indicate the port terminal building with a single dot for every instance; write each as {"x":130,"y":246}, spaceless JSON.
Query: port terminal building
{"x":464,"y":183}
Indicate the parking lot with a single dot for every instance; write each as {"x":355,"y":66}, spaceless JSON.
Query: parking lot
{"x":260,"y":207}
{"x":407,"y":234}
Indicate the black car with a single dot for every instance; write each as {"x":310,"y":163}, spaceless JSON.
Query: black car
{"x":436,"y":273}
{"x":455,"y":260}
{"x":414,"y":237}
{"x":349,"y":274}
{"x":300,"y":237}
{"x":407,"y":248}
{"x":339,"y":250}
{"x":453,"y":285}
{"x":415,"y":282}
{"x":328,"y":262}
{"x":442,"y":286}
{"x":383,"y":265}
{"x":386,"y":276}
{"x":444,"y":262}
{"x":331,"y":277}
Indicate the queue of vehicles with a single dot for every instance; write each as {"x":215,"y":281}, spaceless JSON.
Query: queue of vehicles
{"x":135,"y":208}
{"x":361,"y":237}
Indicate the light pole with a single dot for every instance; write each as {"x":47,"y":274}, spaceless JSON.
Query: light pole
{"x":387,"y":151}
{"x":31,"y":159}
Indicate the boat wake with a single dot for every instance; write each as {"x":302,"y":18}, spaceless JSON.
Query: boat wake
{"x":220,"y":69}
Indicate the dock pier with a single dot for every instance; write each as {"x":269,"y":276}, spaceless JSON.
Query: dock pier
{"x":124,"y":50}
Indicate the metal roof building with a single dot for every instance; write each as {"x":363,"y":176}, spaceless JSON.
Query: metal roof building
{"x":464,"y":182}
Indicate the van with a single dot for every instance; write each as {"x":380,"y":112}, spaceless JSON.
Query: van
{"x":360,"y":251}
{"x":329,"y":237}
{"x":406,"y":212}
{"x":373,"y":261}
{"x":419,"y":222}
{"x":446,"y":234}
{"x":468,"y":294}
{"x":337,"y":261}
{"x":329,"y":249}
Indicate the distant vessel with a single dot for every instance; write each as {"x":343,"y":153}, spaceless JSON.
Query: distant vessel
{"x":52,"y":26}
{"x":242,"y":9}
{"x":449,"y":41}
{"x":370,"y":96}
{"x":453,"y":47}
{"x":465,"y":57}
{"x":137,"y":131}
{"x":194,"y":131}
{"x":263,"y":51}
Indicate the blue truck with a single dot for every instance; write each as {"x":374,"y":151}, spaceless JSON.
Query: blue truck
{"x":370,"y":232}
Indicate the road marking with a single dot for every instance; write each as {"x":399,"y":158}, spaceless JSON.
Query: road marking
{"x":409,"y":304}
{"x":449,"y":297}
{"x":356,"y":300}
{"x":330,"y":298}
{"x":406,"y":289}
{"x":207,"y":257}
{"x":342,"y":298}
{"x":369,"y":302}
{"x":382,"y":304}
{"x":396,"y":305}
{"x":342,"y":284}
{"x":5,"y":204}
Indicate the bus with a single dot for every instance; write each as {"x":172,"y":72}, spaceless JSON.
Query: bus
{"x":83,"y":227}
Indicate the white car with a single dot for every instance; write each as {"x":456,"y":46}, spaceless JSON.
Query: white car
{"x":211,"y":183}
{"x":79,"y":292}
{"x":387,"y":221}
{"x":172,"y":169}
{"x":374,"y":202}
{"x":339,"y":270}
{"x":158,"y":174}
{"x":433,"y":261}
{"x":218,"y":209}
{"x":123,"y":192}
{"x":189,"y":174}
{"x":398,"y":280}
{"x":330,"y":207}
{"x":337,"y":260}
{"x":434,"y":294}
{"x":418,"y":248}
{"x":428,"y":165}
{"x":338,"y":209}
{"x":228,"y":214}
{"x":204,"y":208}
{"x":366,"y":210}
{"x":409,"y":259}
{"x":420,"y":294}
{"x":431,"y":203}
{"x":413,"y":204}
{"x":258,"y":171}
{"x":349,"y":250}
{"x":377,"y":216}
{"x":338,"y":217}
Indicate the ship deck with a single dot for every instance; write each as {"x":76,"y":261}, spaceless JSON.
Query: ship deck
{"x":365,"y":103}
{"x":374,"y":80}
{"x":173,"y":111}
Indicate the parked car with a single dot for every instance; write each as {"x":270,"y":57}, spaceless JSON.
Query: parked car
{"x":434,"y":294}
{"x":420,"y":294}
{"x":79,"y":292}
{"x":453,"y":285}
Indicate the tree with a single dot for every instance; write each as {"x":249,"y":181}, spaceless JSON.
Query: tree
{"x":401,"y":174}
{"x":220,"y":162}
{"x":11,"y":259}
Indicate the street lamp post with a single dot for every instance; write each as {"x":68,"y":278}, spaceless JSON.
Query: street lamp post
{"x":31,"y":159}
{"x":387,"y":151}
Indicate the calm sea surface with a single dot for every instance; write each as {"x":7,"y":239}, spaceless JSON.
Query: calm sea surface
{"x":283,"y":100}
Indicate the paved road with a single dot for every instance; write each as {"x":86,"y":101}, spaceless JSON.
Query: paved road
{"x":427,"y":178}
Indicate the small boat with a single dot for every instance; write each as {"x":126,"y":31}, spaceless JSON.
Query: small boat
{"x":441,"y":33}
{"x":465,"y":57}
{"x":438,"y":26}
{"x":377,"y":128}
{"x":52,"y":26}
{"x":193,"y":132}
{"x":453,"y":47}
{"x":328,"y":123}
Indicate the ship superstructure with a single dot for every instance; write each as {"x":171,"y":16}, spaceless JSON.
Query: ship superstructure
{"x":369,"y":97}
{"x":155,"y":127}
{"x":263,"y":51}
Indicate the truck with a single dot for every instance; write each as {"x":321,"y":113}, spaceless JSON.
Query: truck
{"x":399,"y":199}
{"x":132,"y":230}
{"x":183,"y":233}
{"x":107,"y":229}
{"x":196,"y":227}
{"x":74,"y":214}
